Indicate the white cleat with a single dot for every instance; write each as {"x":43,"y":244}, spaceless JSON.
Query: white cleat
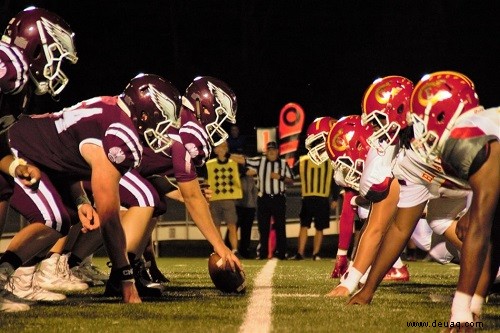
{"x":8,"y":301}
{"x":54,"y":274}
{"x":24,"y":286}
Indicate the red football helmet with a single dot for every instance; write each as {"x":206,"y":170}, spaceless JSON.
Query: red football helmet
{"x":347,"y":146}
{"x":46,"y":40}
{"x":317,"y":133}
{"x":213,"y":102}
{"x":154,"y":105}
{"x":386,"y":104}
{"x":437,"y":101}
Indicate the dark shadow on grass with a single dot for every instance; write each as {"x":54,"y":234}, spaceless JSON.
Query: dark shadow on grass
{"x":171,"y":294}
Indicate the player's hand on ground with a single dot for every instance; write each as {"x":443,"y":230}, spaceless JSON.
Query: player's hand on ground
{"x":338,"y":291}
{"x":129,"y":293}
{"x":88,"y":217}
{"x":360,"y":298}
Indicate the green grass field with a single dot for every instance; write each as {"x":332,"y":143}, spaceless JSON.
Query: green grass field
{"x":192,"y":304}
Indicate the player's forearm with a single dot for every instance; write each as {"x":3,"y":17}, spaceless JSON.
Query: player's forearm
{"x":197,"y":207}
{"x":5,"y":163}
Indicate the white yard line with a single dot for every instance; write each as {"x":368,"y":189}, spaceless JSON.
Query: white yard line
{"x":298,"y":295}
{"x":259,"y":310}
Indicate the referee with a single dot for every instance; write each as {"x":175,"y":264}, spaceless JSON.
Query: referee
{"x":273,"y":175}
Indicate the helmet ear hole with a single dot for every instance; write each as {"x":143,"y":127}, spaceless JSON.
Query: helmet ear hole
{"x":441,"y":117}
{"x":400,"y":108}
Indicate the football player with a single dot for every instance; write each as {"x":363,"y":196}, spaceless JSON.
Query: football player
{"x":423,"y":183}
{"x":34,"y":45}
{"x":154,"y":106}
{"x":155,"y":113}
{"x":384,"y":103}
{"x":347,"y":148}
{"x":454,"y":127}
{"x":94,"y":139}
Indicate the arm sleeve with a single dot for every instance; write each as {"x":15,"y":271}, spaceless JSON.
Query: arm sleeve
{"x":346,"y":223}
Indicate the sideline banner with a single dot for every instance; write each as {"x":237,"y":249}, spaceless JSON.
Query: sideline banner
{"x":290,"y":126}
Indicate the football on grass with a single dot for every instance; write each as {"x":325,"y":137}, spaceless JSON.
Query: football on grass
{"x":224,"y":278}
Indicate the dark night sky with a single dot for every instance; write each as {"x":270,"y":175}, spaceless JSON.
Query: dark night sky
{"x":320,"y":54}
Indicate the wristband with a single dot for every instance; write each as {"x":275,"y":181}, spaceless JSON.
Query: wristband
{"x":81,"y":200}
{"x":14,"y":164}
{"x":125,"y":273}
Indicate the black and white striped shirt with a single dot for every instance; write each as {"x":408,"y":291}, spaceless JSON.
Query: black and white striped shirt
{"x":264,"y":167}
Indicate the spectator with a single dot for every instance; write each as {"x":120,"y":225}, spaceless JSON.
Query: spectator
{"x":236,"y":141}
{"x":273,"y":174}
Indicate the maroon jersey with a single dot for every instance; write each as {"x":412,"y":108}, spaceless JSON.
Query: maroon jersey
{"x":13,"y":70}
{"x":53,"y":141}
{"x":195,"y":138}
{"x":178,"y":164}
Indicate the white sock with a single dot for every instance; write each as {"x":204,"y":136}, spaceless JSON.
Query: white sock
{"x":398,"y":264}
{"x":460,"y":308}
{"x":476,"y":304}
{"x":441,"y":254}
{"x":352,"y":280}
{"x":341,"y":252}
{"x":365,"y":276}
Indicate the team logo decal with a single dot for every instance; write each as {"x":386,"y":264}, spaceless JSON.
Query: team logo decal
{"x":116,"y":155}
{"x":383,"y":96}
{"x":3,"y":69}
{"x":432,"y":92}
{"x":60,"y":35}
{"x":224,"y":100}
{"x":338,"y":142}
{"x":162,"y":102}
{"x":192,"y":149}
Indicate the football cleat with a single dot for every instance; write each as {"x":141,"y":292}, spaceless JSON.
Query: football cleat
{"x":156,"y":275}
{"x":397,"y":274}
{"x":145,"y":286}
{"x":79,"y":272}
{"x":316,"y":257}
{"x":224,"y":278}
{"x":93,"y":272}
{"x":54,"y":274}
{"x":24,"y":286}
{"x":341,"y":265}
{"x":8,"y":301}
{"x":7,"y":305}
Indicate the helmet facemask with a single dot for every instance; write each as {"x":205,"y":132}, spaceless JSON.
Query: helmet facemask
{"x":385,"y":132}
{"x":61,"y":48}
{"x":351,"y":171}
{"x":316,"y":147}
{"x":427,"y":144}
